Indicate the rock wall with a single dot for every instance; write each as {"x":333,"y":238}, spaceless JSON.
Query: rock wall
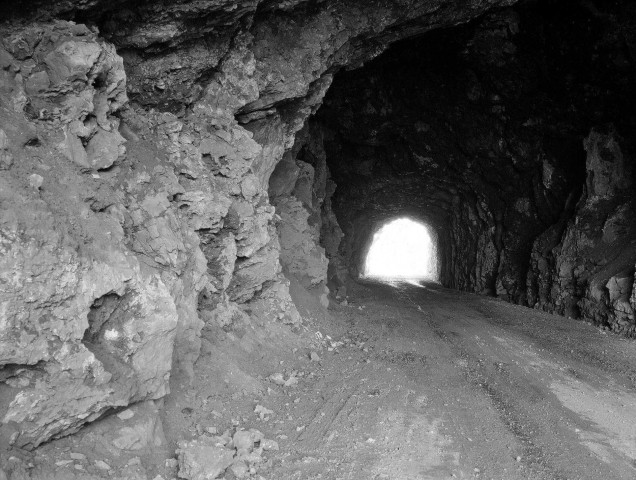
{"x":86,"y":324}
{"x":136,"y":146}
{"x":301,"y":189}
{"x":588,"y":271}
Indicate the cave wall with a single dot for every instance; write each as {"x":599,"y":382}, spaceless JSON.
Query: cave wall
{"x":137,"y":140}
{"x":513,"y":138}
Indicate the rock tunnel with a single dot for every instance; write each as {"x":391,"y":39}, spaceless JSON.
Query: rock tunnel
{"x":493,"y":133}
{"x":175,"y":170}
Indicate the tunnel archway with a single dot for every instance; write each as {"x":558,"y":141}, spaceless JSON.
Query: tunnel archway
{"x":402,"y":248}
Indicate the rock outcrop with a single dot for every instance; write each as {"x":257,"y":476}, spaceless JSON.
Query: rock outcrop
{"x":86,"y":327}
{"x":590,"y":271}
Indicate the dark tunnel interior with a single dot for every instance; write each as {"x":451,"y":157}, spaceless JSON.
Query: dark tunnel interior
{"x":511,"y":136}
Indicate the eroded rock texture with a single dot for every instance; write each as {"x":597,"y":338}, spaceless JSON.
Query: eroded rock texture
{"x":137,"y":144}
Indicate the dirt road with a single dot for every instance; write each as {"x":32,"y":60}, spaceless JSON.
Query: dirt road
{"x":402,"y":383}
{"x":435,"y":384}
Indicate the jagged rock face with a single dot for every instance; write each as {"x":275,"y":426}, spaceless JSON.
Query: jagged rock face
{"x":591,"y":271}
{"x":299,"y":190}
{"x":87,"y":323}
{"x":135,"y":159}
{"x":496,"y":134}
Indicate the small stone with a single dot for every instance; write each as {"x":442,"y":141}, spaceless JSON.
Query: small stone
{"x":212,"y":430}
{"x":518,"y":459}
{"x":126,"y":414}
{"x":261,"y":411}
{"x":202,"y":459}
{"x":269,"y":445}
{"x":62,"y":463}
{"x":240,"y":469}
{"x":78,"y":456}
{"x":314,"y":357}
{"x":245,"y":439}
{"x":476,"y":470}
{"x":102,"y":465}
{"x":158,"y":477}
{"x":136,"y":461}
{"x":79,"y":467}
{"x":277,"y":378}
{"x":291,"y":381}
{"x":36,"y":181}
{"x":105,"y":148}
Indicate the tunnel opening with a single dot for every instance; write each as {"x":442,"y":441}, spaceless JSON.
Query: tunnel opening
{"x":505,"y":143}
{"x":402,"y":249}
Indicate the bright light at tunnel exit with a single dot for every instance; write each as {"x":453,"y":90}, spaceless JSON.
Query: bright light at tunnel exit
{"x":402,"y":249}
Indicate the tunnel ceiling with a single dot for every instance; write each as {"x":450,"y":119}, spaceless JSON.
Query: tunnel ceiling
{"x":173,"y":49}
{"x":499,"y":134}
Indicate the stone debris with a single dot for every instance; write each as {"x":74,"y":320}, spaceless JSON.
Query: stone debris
{"x":126,"y":414}
{"x":207,"y":458}
{"x":279,"y":379}
{"x":35,"y":181}
{"x":263,"y":412}
{"x":143,"y":429}
{"x":203,"y":459}
{"x":269,"y":445}
{"x":314,"y":357}
{"x":102,"y":465}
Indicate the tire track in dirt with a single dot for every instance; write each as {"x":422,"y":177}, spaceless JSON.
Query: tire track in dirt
{"x":325,"y":416}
